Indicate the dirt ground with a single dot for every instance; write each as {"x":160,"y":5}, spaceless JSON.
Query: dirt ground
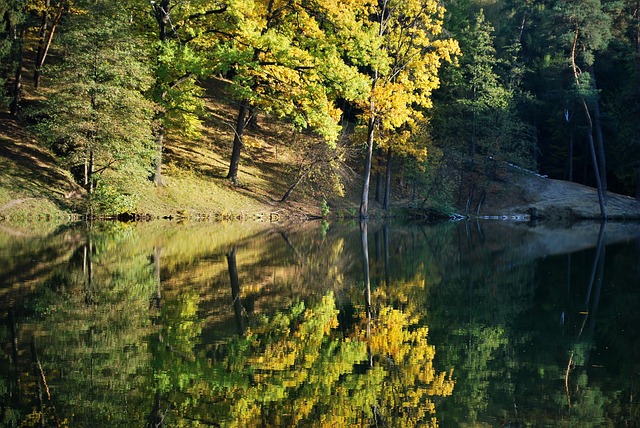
{"x":517,"y":192}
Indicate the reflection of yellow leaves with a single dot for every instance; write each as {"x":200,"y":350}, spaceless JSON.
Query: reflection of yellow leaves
{"x":411,"y":380}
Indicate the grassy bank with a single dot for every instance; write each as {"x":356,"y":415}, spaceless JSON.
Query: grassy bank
{"x":34,"y":185}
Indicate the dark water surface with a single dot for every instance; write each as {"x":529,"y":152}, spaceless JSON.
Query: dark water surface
{"x":460,"y":324}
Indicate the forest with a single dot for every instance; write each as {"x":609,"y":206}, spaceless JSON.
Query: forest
{"x":420,"y":88}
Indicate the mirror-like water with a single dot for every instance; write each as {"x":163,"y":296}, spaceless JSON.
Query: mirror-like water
{"x":461,"y":324}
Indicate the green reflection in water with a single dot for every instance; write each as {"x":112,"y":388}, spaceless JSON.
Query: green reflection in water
{"x":197,"y":325}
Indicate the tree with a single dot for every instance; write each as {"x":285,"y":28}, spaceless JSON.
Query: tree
{"x":180,"y":60}
{"x":477,"y":110}
{"x":281,"y":59}
{"x":97,"y":116}
{"x":50,"y":17}
{"x":587,"y":30}
{"x":12,"y":35}
{"x":402,"y":47}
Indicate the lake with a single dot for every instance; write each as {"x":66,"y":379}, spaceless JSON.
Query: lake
{"x":320,"y":324}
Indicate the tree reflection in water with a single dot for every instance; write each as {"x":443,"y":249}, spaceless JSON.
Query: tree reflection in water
{"x":197,"y":325}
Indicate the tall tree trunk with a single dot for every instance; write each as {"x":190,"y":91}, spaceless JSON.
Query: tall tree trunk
{"x":241,"y":124}
{"x":638,"y":182}
{"x":637,"y":57}
{"x":157,"y":176}
{"x":379,"y":175}
{"x":571,"y":155}
{"x":291,"y":188}
{"x":594,"y":159}
{"x":364,"y":204}
{"x":602,"y":162}
{"x":42,"y":35}
{"x":585,"y":107}
{"x":45,"y":42}
{"x":387,"y":187}
{"x":17,"y":82}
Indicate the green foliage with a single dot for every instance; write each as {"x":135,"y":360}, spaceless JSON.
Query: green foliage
{"x":324,"y":207}
{"x":176,"y":90}
{"x":97,"y":117}
{"x":478,"y":110}
{"x":12,"y":17}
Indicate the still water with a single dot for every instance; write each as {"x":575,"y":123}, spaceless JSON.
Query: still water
{"x":249,"y":324}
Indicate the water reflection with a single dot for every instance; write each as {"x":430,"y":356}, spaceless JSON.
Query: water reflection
{"x":353,"y":324}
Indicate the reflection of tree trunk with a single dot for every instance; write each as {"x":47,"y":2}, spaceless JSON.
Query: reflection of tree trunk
{"x":594,"y":268}
{"x":36,"y":372}
{"x":157,"y":415}
{"x":590,"y":310}
{"x":235,"y":291}
{"x":87,"y":270}
{"x":385,"y":234}
{"x":597,"y":273}
{"x":290,"y":245}
{"x":41,"y":385}
{"x":157,"y":297}
{"x":378,"y":252}
{"x":367,"y":279}
{"x":14,"y":356}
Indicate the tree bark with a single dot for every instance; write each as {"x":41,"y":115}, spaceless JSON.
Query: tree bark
{"x":638,"y":182}
{"x":602,"y":162}
{"x":292,"y":187}
{"x":364,"y":204}
{"x":157,"y":176}
{"x":387,"y":187}
{"x":594,"y":159}
{"x":45,"y":42}
{"x":379,"y":175}
{"x":241,"y":124}
{"x":14,"y":107}
{"x":585,"y":107}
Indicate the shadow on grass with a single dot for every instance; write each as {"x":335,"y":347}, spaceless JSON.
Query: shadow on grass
{"x":26,"y":169}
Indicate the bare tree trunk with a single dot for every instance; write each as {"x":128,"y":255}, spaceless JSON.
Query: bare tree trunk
{"x":602,"y":162}
{"x":45,"y":42}
{"x":241,"y":124}
{"x":387,"y":188}
{"x":292,"y":188}
{"x":638,"y":183}
{"x":379,"y":175}
{"x":17,"y":83}
{"x":157,"y":177}
{"x":594,"y":160}
{"x":583,"y":101}
{"x":364,"y":204}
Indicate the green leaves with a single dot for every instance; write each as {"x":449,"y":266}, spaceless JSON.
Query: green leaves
{"x":97,"y":116}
